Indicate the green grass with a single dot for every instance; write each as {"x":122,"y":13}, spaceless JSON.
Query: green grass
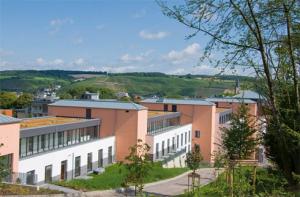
{"x":268,"y":183}
{"x":114,"y":176}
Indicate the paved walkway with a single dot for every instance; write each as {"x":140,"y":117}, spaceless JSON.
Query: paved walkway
{"x":169,"y":187}
{"x":179,"y":184}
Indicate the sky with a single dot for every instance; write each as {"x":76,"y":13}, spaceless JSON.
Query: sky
{"x":97,"y":35}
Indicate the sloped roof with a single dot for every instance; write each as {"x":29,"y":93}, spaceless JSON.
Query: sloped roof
{"x":230,"y":99}
{"x":99,"y":104}
{"x":7,"y":119}
{"x":249,"y":94}
{"x":177,"y":101}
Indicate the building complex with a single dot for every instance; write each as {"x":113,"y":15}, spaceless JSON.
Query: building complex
{"x":81,"y":136}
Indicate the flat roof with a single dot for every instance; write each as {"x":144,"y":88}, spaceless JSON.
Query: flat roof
{"x":220,"y":110}
{"x":152,"y":114}
{"x":98,"y":104}
{"x":177,"y":101}
{"x":47,"y":121}
{"x":230,"y":99}
{"x":8,"y":119}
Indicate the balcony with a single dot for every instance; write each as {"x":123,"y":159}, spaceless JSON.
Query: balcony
{"x":171,"y":155}
{"x":161,"y":121}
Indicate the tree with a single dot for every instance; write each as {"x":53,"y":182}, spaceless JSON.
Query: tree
{"x":239,"y":140}
{"x":250,"y":32}
{"x":23,"y":101}
{"x":138,"y":165}
{"x":194,"y":158}
{"x":7,"y":99}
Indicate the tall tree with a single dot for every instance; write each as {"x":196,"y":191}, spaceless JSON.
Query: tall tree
{"x":239,"y":139}
{"x":249,"y":32}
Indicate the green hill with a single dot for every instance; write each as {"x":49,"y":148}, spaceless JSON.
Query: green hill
{"x":134,"y":83}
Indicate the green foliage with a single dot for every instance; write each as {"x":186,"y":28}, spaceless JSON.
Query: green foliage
{"x":3,"y":170}
{"x":238,"y":140}
{"x":114,"y":176}
{"x":138,"y":165}
{"x":8,"y":189}
{"x":7,"y":99}
{"x":194,"y":158}
{"x":269,"y":182}
{"x":23,"y":101}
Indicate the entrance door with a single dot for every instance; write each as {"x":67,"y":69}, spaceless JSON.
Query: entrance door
{"x":48,"y":174}
{"x":30,"y":177}
{"x":63,"y":170}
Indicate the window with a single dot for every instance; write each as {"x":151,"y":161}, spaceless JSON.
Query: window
{"x":189,"y":136}
{"x":110,"y":155}
{"x":88,"y":113}
{"x":30,"y":177}
{"x":29,"y":145}
{"x":157,"y":151}
{"x":165,"y":107}
{"x":168,"y":146}
{"x":69,"y":137}
{"x":197,"y":134}
{"x":77,"y":166}
{"x":189,"y":148}
{"x":177,"y":141}
{"x":182,"y":139}
{"x":6,"y":161}
{"x":89,"y":162}
{"x":173,"y":143}
{"x":100,"y":158}
{"x":60,"y":139}
{"x":174,"y":108}
{"x":163,"y":148}
{"x":185,"y":138}
{"x":48,"y":174}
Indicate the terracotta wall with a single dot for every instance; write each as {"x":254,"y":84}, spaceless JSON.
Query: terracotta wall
{"x":7,"y":112}
{"x":126,"y":125}
{"x":202,"y":118}
{"x":9,"y":136}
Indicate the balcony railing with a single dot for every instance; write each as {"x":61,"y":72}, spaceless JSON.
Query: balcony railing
{"x":162,"y":123}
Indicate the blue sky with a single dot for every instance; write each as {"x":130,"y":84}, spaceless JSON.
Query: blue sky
{"x":113,"y":36}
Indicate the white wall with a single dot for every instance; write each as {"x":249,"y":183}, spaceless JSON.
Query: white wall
{"x":165,"y":135}
{"x":54,"y":158}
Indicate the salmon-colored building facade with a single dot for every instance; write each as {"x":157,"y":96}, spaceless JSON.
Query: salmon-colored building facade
{"x":127,"y":123}
{"x":9,"y":138}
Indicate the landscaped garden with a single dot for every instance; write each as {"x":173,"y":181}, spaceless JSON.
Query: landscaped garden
{"x":9,"y":189}
{"x":269,"y":182}
{"x":114,"y":176}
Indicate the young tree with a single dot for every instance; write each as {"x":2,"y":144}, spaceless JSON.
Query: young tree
{"x":250,"y":32}
{"x":194,"y":158}
{"x":23,"y":100}
{"x":7,"y":99}
{"x":239,"y":140}
{"x":138,"y":165}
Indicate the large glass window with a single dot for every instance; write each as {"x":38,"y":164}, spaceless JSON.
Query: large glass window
{"x":110,"y":156}
{"x":100,"y":158}
{"x":168,"y":146}
{"x":163,"y":148}
{"x":182,"y":139}
{"x":89,"y":162}
{"x":157,"y":150}
{"x":77,"y":166}
{"x":177,"y":141}
{"x":185,"y":138}
{"x":173,"y":143}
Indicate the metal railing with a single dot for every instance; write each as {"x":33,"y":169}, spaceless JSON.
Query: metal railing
{"x":21,"y":178}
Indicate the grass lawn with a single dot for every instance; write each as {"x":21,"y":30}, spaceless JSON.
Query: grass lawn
{"x":7,"y":189}
{"x":268,"y":183}
{"x":114,"y":176}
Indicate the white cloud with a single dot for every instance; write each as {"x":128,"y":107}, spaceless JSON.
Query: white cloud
{"x":57,"y":62}
{"x":57,"y":24}
{"x":118,"y":69}
{"x":4,"y":53}
{"x":130,"y":58}
{"x":40,"y":61}
{"x":79,"y":61}
{"x":178,"y":71}
{"x":187,"y":53}
{"x":135,"y":58}
{"x":153,"y":35}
